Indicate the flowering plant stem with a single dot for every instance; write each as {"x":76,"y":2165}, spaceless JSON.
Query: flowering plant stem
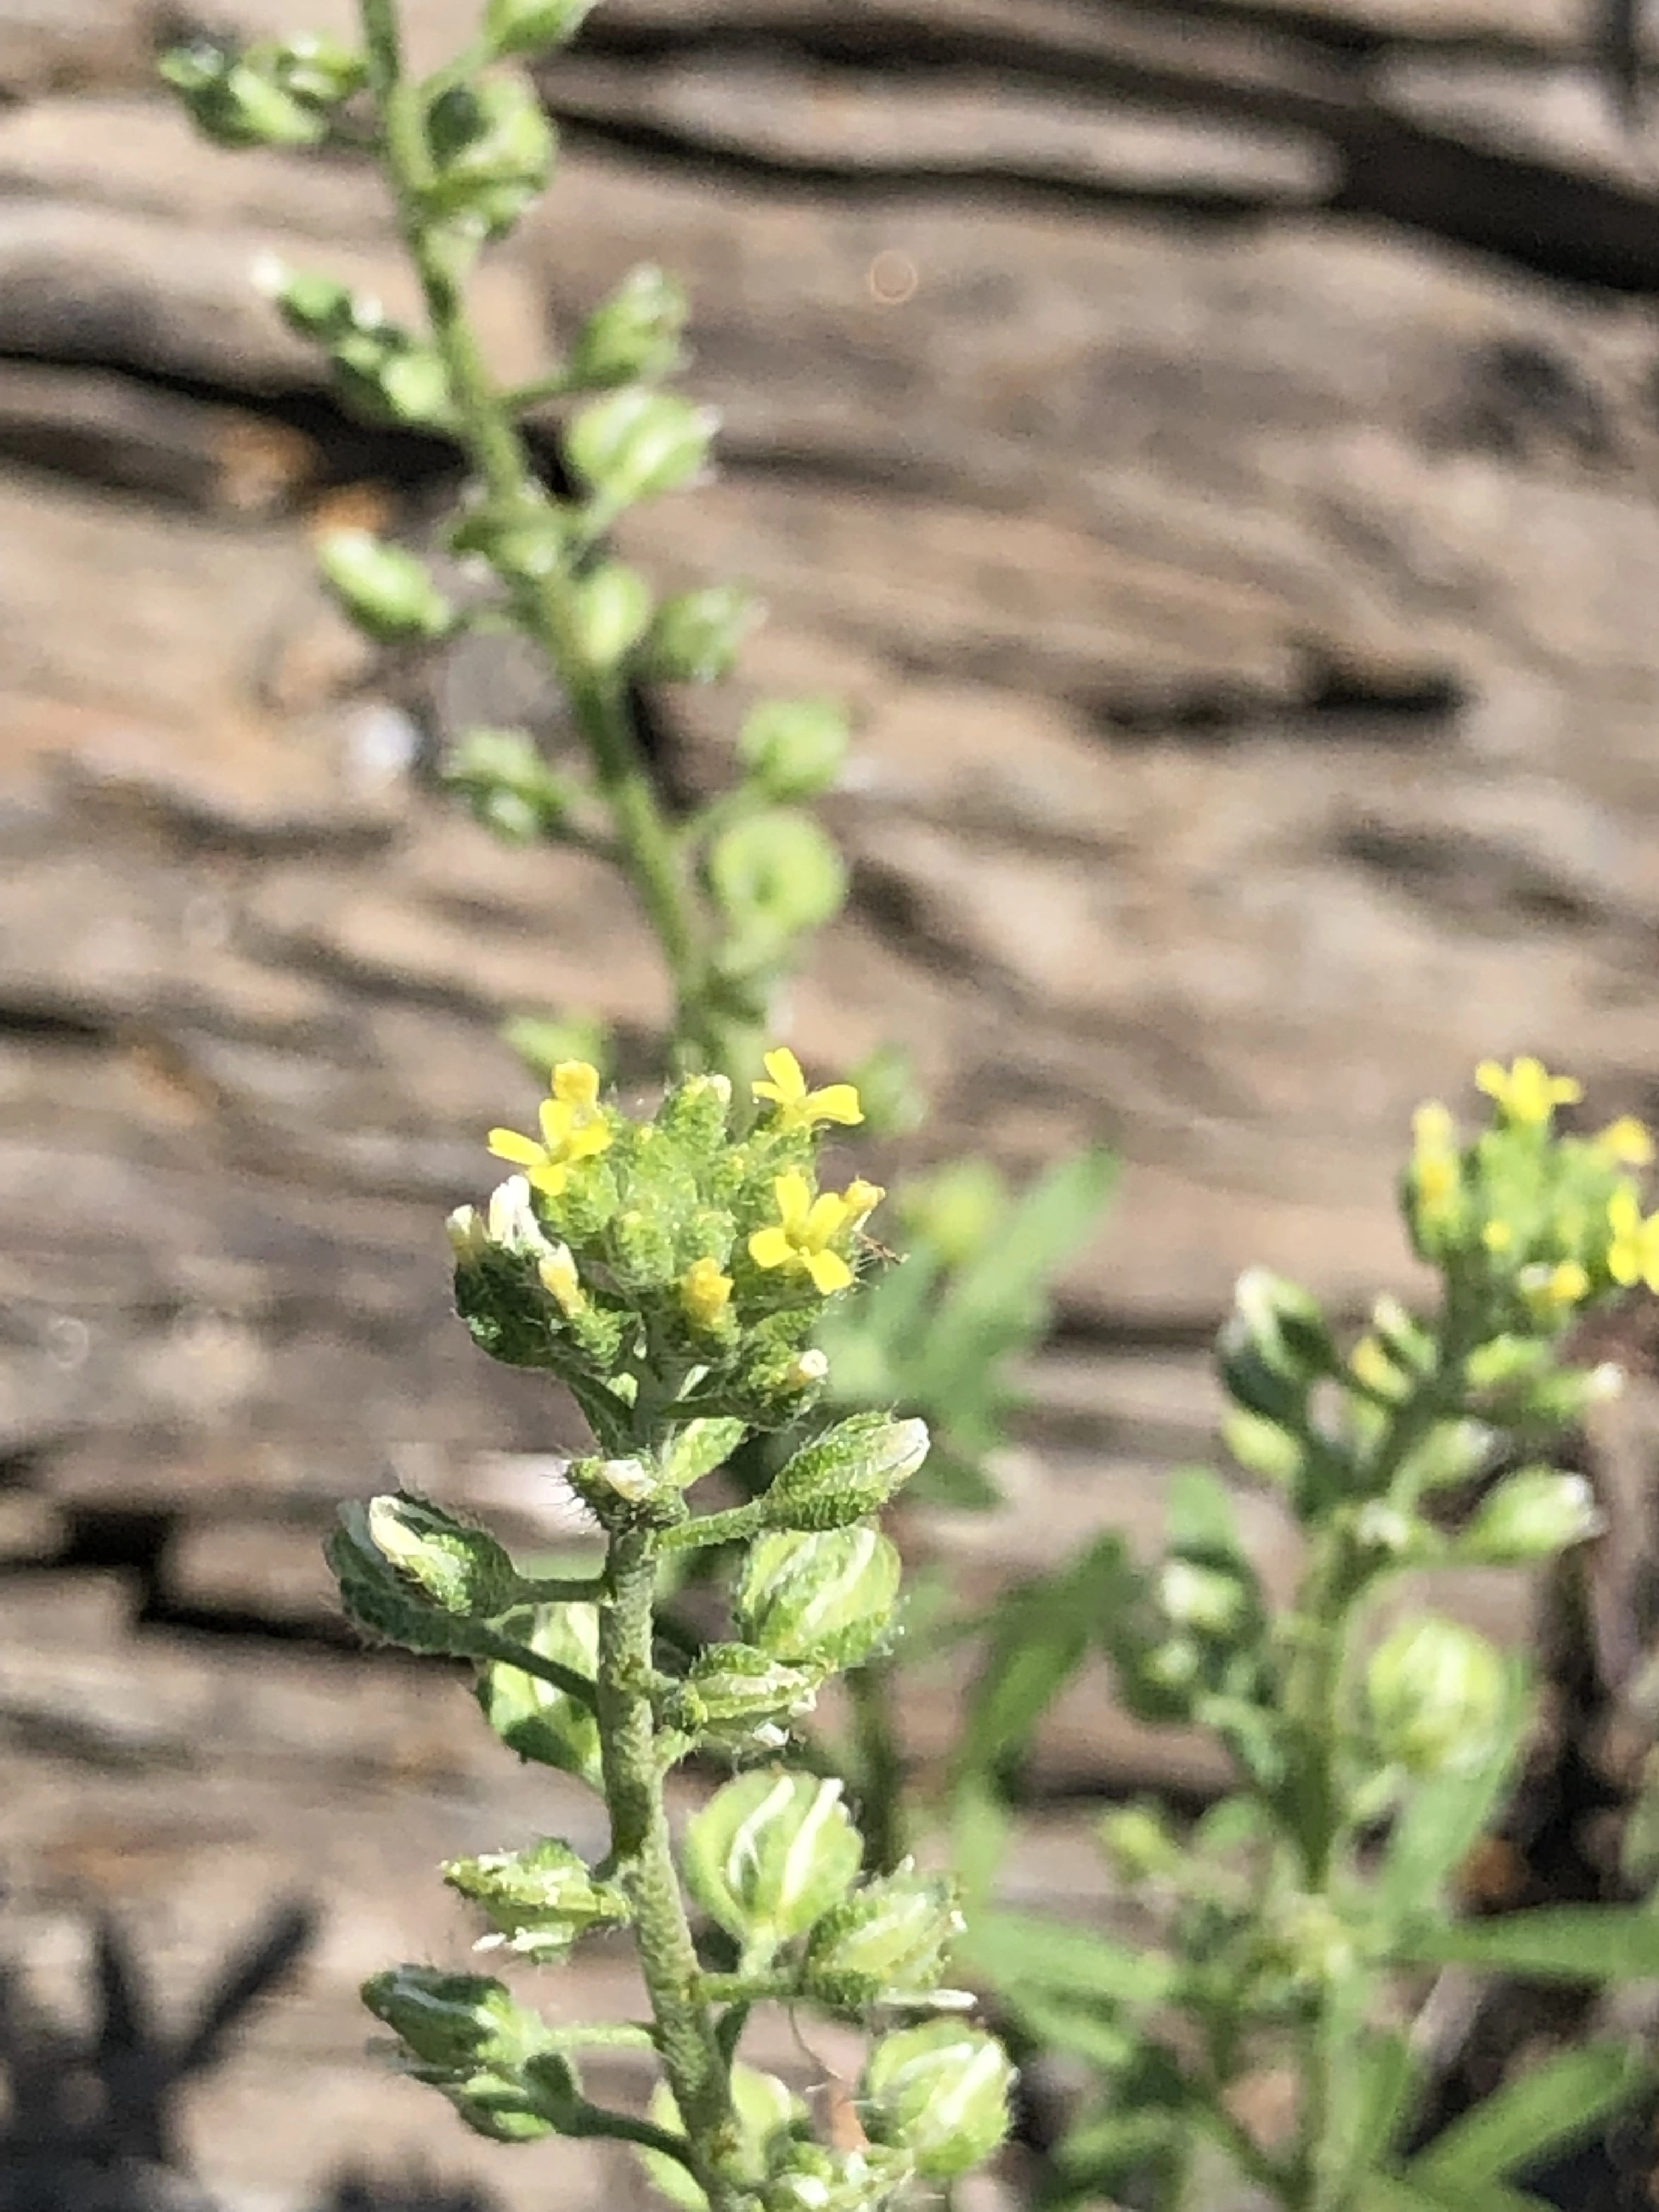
{"x":698,"y":2071}
{"x":486,"y":429}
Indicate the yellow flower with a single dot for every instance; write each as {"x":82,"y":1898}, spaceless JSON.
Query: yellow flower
{"x":559,"y":1279}
{"x":705,"y":1292}
{"x":805,"y":1228}
{"x":1627,"y":1143}
{"x":573,"y":1129}
{"x":1525,"y":1091}
{"x":798,"y":1107}
{"x":1436,"y":1170}
{"x":1497,"y":1236}
{"x":1633,"y":1254}
{"x":1552,"y":1289}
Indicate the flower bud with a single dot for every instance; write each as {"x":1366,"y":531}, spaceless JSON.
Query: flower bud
{"x":384,"y":588}
{"x":469,"y":1236}
{"x":492,"y":151}
{"x":613,"y":607}
{"x":536,"y":1719}
{"x":1534,"y":1514}
{"x":851,"y":1471}
{"x":694,"y":636}
{"x":235,"y":102}
{"x":463,"y":1571}
{"x":769,"y":1855}
{"x":1138,"y":1843}
{"x":774,"y":874}
{"x":885,"y":1942}
{"x":1274,"y":1347}
{"x":1204,"y":1598}
{"x":1262,"y":1448}
{"x":736,"y":1695}
{"x":529,"y":27}
{"x":795,"y":748}
{"x":508,"y":785}
{"x":639,"y":443}
{"x":940,"y":2091}
{"x":455,"y":2022}
{"x":315,"y":68}
{"x":811,"y":2177}
{"x":540,"y":1901}
{"x":825,"y":1601}
{"x":637,"y":332}
{"x":1437,"y":1692}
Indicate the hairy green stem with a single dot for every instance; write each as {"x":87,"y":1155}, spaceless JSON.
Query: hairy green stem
{"x":641,"y":1849}
{"x":545,"y":606}
{"x":878,"y":1765}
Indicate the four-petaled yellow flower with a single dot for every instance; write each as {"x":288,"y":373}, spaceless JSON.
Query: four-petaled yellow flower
{"x":807,"y":1227}
{"x":798,"y":1107}
{"x":705,"y":1292}
{"x":1525,"y":1091}
{"x":1626,"y":1142}
{"x":572,"y":1128}
{"x":1633,"y":1254}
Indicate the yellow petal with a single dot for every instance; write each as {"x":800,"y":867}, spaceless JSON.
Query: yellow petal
{"x":861,"y":1198}
{"x":770,"y":1248}
{"x":794,"y":1196}
{"x":828,"y":1216}
{"x":555,"y":1119}
{"x":1627,"y":1142}
{"x":836,"y":1102}
{"x":1492,"y":1077}
{"x":788,"y":1086}
{"x":586,"y":1143}
{"x":828,"y":1270}
{"x":550,"y":1178}
{"x":1624,"y":1211}
{"x":577,"y":1082}
{"x":524,"y":1152}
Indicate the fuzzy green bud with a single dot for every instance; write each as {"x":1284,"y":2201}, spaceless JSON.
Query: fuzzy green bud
{"x":769,"y":1855}
{"x":1437,"y":1693}
{"x":825,"y":1601}
{"x":639,"y":443}
{"x":384,"y":589}
{"x":536,"y":1719}
{"x":529,"y":27}
{"x":235,"y":102}
{"x":739,"y":1696}
{"x":1205,"y":1600}
{"x":694,"y":636}
{"x":315,"y":68}
{"x":940,"y":2091}
{"x":1138,"y":1845}
{"x":887,"y":1941}
{"x":463,"y":1571}
{"x":849,"y":1472}
{"x":1534,"y":1514}
{"x":492,"y":151}
{"x":455,"y":2022}
{"x":795,"y":748}
{"x":637,"y":332}
{"x":774,"y":874}
{"x":1266,"y":1448}
{"x":539,"y":1901}
{"x":612,"y":610}
{"x":509,"y":788}
{"x":1274,"y":1347}
{"x":811,"y":2177}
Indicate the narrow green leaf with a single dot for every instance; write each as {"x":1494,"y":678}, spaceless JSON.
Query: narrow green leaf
{"x":1040,"y":1635}
{"x":1388,"y":2070}
{"x":1543,"y":2111}
{"x":1023,"y":1953}
{"x":1556,"y":1943}
{"x":1391,"y":2192}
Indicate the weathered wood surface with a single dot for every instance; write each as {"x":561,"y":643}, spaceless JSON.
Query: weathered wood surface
{"x":1215,"y":451}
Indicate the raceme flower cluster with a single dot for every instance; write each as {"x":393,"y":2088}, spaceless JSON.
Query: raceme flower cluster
{"x":669,"y":1269}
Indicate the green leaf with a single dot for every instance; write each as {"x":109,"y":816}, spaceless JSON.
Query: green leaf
{"x":1543,"y":2111}
{"x":1556,"y":1943}
{"x":1024,"y":1954}
{"x":1447,"y":1816}
{"x":1387,"y":2071}
{"x":1391,"y":2192}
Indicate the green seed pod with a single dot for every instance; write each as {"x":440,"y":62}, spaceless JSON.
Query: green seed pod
{"x":384,"y":588}
{"x":536,"y":1719}
{"x":825,"y":1601}
{"x":635,"y":333}
{"x":510,"y":788}
{"x":776,"y":873}
{"x":1437,"y":1693}
{"x":385,"y":1603}
{"x":529,"y":27}
{"x":849,"y":1472}
{"x":540,"y":1901}
{"x":694,"y":636}
{"x":769,"y":1855}
{"x":639,"y":443}
{"x":492,"y":151}
{"x":886,"y":1941}
{"x":1534,"y":1514}
{"x":453,"y":2021}
{"x":613,"y":609}
{"x":462,"y":1570}
{"x":795,"y":748}
{"x":940,"y":2091}
{"x":738,"y":1696}
{"x":237,"y":104}
{"x":314,"y":67}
